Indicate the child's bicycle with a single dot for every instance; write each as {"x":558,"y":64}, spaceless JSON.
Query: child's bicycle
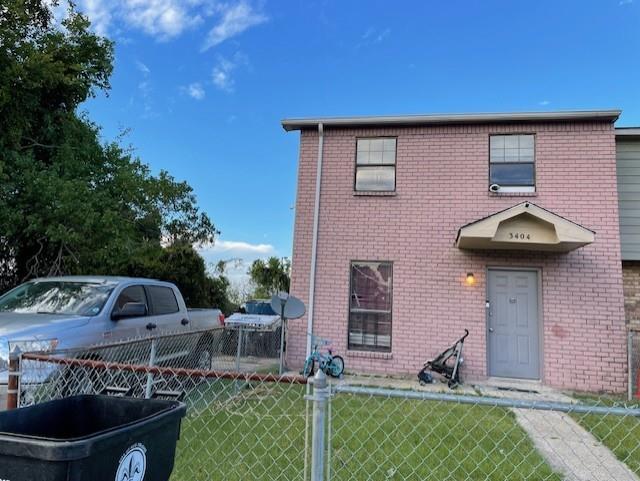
{"x":328,"y":363}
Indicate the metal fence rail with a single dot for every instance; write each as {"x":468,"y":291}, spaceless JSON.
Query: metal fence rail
{"x":257,"y":425}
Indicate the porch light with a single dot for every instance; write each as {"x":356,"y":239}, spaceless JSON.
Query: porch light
{"x":471,"y":279}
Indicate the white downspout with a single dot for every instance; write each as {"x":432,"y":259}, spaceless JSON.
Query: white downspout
{"x":314,"y":241}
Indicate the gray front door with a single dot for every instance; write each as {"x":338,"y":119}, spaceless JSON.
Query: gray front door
{"x":513,"y":324}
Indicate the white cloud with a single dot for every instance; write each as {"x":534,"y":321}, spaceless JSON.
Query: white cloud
{"x":195,"y":90}
{"x":168,"y":19}
{"x":625,"y":2}
{"x":373,"y":36}
{"x":240,"y":253}
{"x":145,"y":90}
{"x":544,"y":102}
{"x":238,"y":248}
{"x":223,"y":70}
{"x":143,"y":67}
{"x":235,"y":20}
{"x":99,"y":12}
{"x":163,"y":19}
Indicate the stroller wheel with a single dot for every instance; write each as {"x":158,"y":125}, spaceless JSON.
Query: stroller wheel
{"x":452,"y":384}
{"x":424,"y":378}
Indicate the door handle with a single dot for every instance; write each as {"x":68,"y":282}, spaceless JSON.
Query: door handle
{"x":491,"y":329}
{"x":184,"y":321}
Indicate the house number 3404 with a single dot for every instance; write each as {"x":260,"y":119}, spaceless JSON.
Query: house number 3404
{"x":519,"y":236}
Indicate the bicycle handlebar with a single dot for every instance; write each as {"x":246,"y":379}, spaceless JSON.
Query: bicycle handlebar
{"x":318,"y":341}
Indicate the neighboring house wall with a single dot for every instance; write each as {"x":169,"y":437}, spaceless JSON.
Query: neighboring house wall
{"x":441,"y":184}
{"x":628,"y":171}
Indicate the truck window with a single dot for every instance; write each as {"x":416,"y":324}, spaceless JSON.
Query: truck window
{"x":163,"y":300}
{"x":131,"y":294}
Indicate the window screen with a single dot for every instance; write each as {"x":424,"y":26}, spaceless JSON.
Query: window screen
{"x":376,"y":164}
{"x":163,"y":300}
{"x":370,"y":306}
{"x":512,"y":160}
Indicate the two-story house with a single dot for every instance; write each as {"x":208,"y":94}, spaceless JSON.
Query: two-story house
{"x":410,"y":229}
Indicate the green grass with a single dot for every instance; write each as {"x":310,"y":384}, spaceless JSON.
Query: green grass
{"x":621,"y":434}
{"x":242,"y":431}
{"x":258,"y":433}
{"x":381,"y":438}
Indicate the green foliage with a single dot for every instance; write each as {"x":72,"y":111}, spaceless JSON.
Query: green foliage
{"x":270,"y":276}
{"x":70,"y":204}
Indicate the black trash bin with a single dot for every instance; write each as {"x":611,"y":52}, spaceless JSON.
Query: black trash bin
{"x":90,"y":438}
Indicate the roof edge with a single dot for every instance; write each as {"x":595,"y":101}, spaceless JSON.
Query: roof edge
{"x":627,"y":132}
{"x":464,"y":118}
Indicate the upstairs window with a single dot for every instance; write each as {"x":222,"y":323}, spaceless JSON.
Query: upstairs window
{"x":512,"y":163}
{"x":376,"y":165}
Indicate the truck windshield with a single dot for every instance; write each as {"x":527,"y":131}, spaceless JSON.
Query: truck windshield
{"x":55,"y":297}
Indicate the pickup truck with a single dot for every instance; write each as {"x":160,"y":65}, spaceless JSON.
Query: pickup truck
{"x":81,"y":311}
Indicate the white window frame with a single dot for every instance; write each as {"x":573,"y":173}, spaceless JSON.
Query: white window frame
{"x":382,"y":163}
{"x":508,"y":189}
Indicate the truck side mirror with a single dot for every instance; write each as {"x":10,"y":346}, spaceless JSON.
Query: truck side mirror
{"x":130,"y":309}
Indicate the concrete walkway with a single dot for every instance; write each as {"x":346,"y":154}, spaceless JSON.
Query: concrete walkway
{"x":566,"y":446}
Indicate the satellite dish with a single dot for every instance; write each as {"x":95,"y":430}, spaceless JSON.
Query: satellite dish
{"x":292,"y":306}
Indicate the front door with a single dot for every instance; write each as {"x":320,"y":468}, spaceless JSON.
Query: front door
{"x":513,"y":324}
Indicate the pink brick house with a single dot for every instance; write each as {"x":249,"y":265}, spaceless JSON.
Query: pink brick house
{"x":410,"y":229}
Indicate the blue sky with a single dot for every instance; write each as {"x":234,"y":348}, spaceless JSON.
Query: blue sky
{"x":203,"y":84}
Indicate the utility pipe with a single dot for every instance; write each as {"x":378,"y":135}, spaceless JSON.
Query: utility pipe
{"x":314,"y":241}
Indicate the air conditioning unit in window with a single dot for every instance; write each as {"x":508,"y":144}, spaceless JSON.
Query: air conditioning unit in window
{"x":494,"y":188}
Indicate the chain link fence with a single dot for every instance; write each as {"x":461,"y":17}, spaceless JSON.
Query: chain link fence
{"x":244,"y":421}
{"x":253,"y":424}
{"x":393,"y":434}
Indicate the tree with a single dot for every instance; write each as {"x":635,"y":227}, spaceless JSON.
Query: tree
{"x":270,"y":276}
{"x":70,"y":204}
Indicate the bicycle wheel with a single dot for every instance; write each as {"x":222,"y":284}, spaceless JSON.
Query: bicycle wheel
{"x":309,"y":366}
{"x":336,"y":367}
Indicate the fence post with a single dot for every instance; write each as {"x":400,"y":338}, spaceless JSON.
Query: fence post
{"x":321,"y":392}
{"x":13,"y":383}
{"x":283,"y":324}
{"x":239,"y":348}
{"x":152,"y":362}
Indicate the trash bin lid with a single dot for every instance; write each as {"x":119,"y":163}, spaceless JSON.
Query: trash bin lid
{"x":70,"y":428}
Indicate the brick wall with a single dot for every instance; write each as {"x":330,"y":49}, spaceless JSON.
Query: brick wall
{"x":631,"y":288}
{"x":442,"y":178}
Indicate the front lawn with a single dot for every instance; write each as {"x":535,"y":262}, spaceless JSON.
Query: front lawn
{"x":257,"y":432}
{"x":621,"y":434}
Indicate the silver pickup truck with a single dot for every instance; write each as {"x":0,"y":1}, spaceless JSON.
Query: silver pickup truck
{"x":80,"y":311}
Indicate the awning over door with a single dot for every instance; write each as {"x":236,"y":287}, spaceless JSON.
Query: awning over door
{"x":524,"y":226}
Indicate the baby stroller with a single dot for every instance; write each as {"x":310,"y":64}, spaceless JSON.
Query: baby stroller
{"x":447,"y":364}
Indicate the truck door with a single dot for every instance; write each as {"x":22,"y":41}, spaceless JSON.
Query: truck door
{"x":126,"y":328}
{"x":169,"y":319}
